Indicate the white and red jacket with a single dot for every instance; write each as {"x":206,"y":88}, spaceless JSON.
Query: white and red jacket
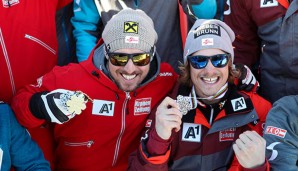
{"x":28,"y":43}
{"x":94,"y":141}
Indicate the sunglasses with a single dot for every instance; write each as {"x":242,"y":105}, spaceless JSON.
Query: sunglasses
{"x":121,"y":59}
{"x":200,"y":61}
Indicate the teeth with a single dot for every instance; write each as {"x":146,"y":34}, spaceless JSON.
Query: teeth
{"x":129,"y":77}
{"x":210,"y":80}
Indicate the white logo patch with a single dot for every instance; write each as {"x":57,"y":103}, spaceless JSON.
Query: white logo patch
{"x":191,"y":132}
{"x":268,"y":3}
{"x":131,"y":39}
{"x":142,"y":106}
{"x":238,"y":104}
{"x":103,"y":107}
{"x":207,"y":42}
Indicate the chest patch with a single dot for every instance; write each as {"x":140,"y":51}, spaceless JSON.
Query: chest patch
{"x":238,"y":104}
{"x":191,"y":132}
{"x":103,"y":107}
{"x":268,"y":3}
{"x":227,"y":135}
{"x":142,"y":106}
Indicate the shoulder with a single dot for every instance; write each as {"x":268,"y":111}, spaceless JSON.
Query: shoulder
{"x":286,"y":106}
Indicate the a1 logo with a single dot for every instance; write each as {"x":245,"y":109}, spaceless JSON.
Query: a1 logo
{"x":103,"y":107}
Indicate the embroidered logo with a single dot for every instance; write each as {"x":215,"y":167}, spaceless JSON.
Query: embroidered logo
{"x":238,"y":104}
{"x":148,"y":123}
{"x":166,"y":74}
{"x":227,"y":135}
{"x":276,"y":131}
{"x":268,"y":3}
{"x":38,"y":82}
{"x":207,"y":42}
{"x":142,"y":106}
{"x":191,"y":132}
{"x":9,"y":3}
{"x":131,"y":27}
{"x":103,"y":107}
{"x":207,"y":29}
{"x":131,"y":39}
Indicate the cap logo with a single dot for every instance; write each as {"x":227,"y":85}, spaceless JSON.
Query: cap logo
{"x":207,"y":29}
{"x":131,"y":27}
{"x":131,"y":39}
{"x":207,"y":42}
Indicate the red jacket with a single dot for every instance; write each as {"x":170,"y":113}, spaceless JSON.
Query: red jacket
{"x":28,"y":43}
{"x":90,"y":141}
{"x":200,"y":146}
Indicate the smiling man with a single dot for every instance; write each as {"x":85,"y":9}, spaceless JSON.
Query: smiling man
{"x":123,"y":80}
{"x":209,"y":124}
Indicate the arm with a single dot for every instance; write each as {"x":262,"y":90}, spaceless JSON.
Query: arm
{"x":154,"y":150}
{"x":281,"y":134}
{"x":85,"y":22}
{"x":25,"y":154}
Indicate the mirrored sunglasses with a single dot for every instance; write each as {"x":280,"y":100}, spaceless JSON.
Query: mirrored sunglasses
{"x":121,"y":59}
{"x":200,"y":61}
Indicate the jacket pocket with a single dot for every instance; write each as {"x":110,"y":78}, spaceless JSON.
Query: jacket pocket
{"x":43,"y":44}
{"x":79,"y":144}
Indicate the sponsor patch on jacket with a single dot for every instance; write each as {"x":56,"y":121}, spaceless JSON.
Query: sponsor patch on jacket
{"x":148,"y":123}
{"x":191,"y":132}
{"x":9,"y":3}
{"x":165,"y":74}
{"x":268,"y":3}
{"x":207,"y":29}
{"x":142,"y":106}
{"x":103,"y":107}
{"x":276,"y":131}
{"x":227,"y":135}
{"x":238,"y":104}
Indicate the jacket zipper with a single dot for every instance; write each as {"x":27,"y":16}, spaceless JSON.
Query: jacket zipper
{"x":5,"y":54}
{"x":122,"y":129}
{"x":73,"y":144}
{"x":41,"y":43}
{"x":211,"y":116}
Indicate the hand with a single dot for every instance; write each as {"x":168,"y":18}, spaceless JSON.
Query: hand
{"x":62,"y":105}
{"x":168,"y":117}
{"x":250,"y":149}
{"x":247,"y":80}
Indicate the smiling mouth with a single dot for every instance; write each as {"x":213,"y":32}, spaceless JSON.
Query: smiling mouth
{"x":211,"y":80}
{"x":129,"y":77}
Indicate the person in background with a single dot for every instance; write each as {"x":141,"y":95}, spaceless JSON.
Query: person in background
{"x":16,"y":146}
{"x":28,"y":49}
{"x":281,"y":134}
{"x":210,"y":125}
{"x":90,"y":18}
{"x":100,"y":106}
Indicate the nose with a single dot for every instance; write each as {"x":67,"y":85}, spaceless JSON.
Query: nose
{"x":129,"y":67}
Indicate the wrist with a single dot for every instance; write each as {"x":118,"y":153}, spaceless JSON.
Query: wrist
{"x":37,"y":106}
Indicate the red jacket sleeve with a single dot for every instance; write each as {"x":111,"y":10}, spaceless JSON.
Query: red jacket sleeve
{"x":20,"y":102}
